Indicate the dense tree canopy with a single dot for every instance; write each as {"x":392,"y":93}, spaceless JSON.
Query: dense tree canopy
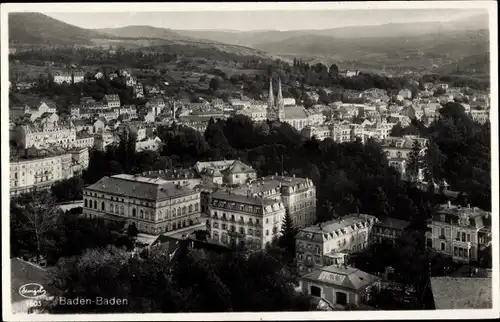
{"x":195,"y":281}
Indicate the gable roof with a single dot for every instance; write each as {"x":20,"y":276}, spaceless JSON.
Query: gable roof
{"x":345,"y":277}
{"x":461,"y":293}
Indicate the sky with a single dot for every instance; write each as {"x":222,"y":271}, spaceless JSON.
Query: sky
{"x":258,"y":20}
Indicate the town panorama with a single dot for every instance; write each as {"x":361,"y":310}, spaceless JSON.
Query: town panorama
{"x":160,"y":170}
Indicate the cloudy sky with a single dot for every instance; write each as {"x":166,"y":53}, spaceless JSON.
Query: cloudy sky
{"x":259,"y":20}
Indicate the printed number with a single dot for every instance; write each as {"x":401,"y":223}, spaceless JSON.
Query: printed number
{"x":35,"y":303}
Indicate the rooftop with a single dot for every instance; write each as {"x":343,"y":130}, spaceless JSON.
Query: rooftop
{"x":461,"y":293}
{"x":139,"y":187}
{"x":172,"y":174}
{"x":346,"y":277}
{"x":335,"y":228}
{"x":256,"y":201}
{"x":393,"y":223}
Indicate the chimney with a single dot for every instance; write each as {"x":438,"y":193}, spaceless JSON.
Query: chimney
{"x":468,"y":206}
{"x":449,"y":204}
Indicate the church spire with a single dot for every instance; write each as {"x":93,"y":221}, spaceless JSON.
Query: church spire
{"x":270,"y":100}
{"x":280,"y":104}
{"x":280,"y":95}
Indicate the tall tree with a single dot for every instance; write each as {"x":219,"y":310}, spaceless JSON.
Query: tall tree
{"x":415,"y":162}
{"x":37,"y":214}
{"x":288,"y":233}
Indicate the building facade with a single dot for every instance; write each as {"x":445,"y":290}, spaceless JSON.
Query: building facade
{"x":244,"y":221}
{"x":340,"y":285}
{"x":154,"y":205}
{"x":331,"y":242}
{"x":459,"y":232}
{"x":43,"y":170}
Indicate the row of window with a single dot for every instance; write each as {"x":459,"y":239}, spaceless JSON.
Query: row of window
{"x":148,"y":214}
{"x":303,"y":205}
{"x":462,"y":252}
{"x":244,"y":231}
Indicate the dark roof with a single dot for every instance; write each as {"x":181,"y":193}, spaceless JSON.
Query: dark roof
{"x":172,"y":174}
{"x":139,"y":187}
{"x":393,"y":223}
{"x":475,"y":216}
{"x":167,"y":243}
{"x":22,"y":273}
{"x":345,"y":277}
{"x":461,"y":293}
{"x":238,"y":167}
{"x":256,"y":201}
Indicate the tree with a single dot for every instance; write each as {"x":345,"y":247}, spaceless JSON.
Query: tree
{"x":333,"y":71}
{"x":415,"y":162}
{"x":132,"y":230}
{"x":68,"y":190}
{"x":288,"y":233}
{"x":214,"y":83}
{"x":36,"y":214}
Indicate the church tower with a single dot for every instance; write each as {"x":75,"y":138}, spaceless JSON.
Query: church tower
{"x":280,"y":104}
{"x":270,"y":99}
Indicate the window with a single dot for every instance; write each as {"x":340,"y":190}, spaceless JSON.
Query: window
{"x":242,"y":230}
{"x":141,"y":214}
{"x":267,"y":232}
{"x":315,"y":291}
{"x":85,"y":203}
{"x":267,"y":220}
{"x":134,"y":212}
{"x":455,"y":251}
{"x":468,"y":237}
{"x":442,"y":246}
{"x":102,"y":205}
{"x":442,"y":232}
{"x":184,"y":210}
{"x":95,"y":204}
{"x":341,"y":298}
{"x":458,"y":236}
{"x":190,"y":208}
{"x":122,"y":210}
{"x":463,"y":237}
{"x":461,"y":252}
{"x":196,"y":207}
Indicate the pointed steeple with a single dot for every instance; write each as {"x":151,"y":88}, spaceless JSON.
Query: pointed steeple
{"x":270,"y":100}
{"x":280,"y":104}
{"x":279,"y":98}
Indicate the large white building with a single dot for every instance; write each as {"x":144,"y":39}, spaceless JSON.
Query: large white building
{"x":43,"y":169}
{"x":236,"y":220}
{"x":45,"y":135}
{"x":459,"y":232}
{"x":398,"y":150}
{"x":154,"y":205}
{"x":298,"y":195}
{"x":331,"y":242}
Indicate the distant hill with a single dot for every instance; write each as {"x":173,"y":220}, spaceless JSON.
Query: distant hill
{"x":37,"y":28}
{"x":394,"y":30}
{"x":146,"y":32}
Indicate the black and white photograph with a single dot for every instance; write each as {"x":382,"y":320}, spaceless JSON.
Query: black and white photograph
{"x":249,"y":161}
